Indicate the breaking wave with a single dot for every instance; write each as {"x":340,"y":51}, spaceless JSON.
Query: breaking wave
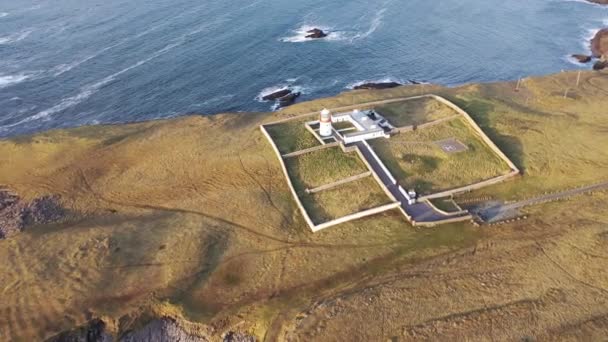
{"x":299,"y":35}
{"x":8,"y":80}
{"x":15,"y":37}
{"x":3,"y":14}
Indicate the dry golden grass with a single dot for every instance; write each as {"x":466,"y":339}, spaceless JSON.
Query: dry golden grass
{"x":418,"y":162}
{"x":415,"y":111}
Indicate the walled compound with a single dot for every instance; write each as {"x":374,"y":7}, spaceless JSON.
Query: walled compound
{"x":350,"y":130}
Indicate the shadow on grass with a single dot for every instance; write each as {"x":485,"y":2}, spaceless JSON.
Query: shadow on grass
{"x":479,"y":110}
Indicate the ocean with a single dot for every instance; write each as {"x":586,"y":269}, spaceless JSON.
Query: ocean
{"x":66,"y":63}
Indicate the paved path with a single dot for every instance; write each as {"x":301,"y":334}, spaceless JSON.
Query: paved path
{"x":500,"y":211}
{"x":420,"y":212}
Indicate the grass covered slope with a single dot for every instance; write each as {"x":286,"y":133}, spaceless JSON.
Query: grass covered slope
{"x":415,"y":112}
{"x":192,"y":217}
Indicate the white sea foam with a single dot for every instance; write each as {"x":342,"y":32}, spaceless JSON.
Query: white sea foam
{"x":586,"y":39}
{"x":8,"y":80}
{"x":376,"y":22}
{"x":380,"y":80}
{"x":89,"y":90}
{"x":3,"y":14}
{"x":15,"y":37}
{"x":585,"y":2}
{"x":573,"y":61}
{"x":299,"y":35}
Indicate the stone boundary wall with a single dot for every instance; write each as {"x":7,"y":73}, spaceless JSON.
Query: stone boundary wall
{"x":479,"y":131}
{"x":446,"y":213}
{"x":289,"y":183}
{"x":347,"y":218}
{"x":347,"y":108}
{"x":471,"y":187}
{"x":449,"y":220}
{"x":356,"y":216}
{"x":437,"y":122}
{"x":312,"y":131}
{"x":395,"y":204}
{"x":309,"y":150}
{"x":338,"y":183}
{"x":514,"y":170}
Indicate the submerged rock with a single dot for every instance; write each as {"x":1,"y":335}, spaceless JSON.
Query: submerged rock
{"x":381,"y":85}
{"x":316,"y":33}
{"x":582,"y":58}
{"x":16,"y":214}
{"x":599,"y":43}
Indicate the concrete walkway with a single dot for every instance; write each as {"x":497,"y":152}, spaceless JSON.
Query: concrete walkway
{"x":420,"y":212}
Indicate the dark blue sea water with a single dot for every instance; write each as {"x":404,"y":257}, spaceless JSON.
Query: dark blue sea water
{"x":73,"y":62}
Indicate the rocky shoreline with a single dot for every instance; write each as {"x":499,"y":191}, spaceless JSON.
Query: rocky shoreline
{"x":599,"y":51}
{"x":598,"y":44}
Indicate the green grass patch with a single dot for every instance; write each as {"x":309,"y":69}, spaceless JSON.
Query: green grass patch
{"x":346,"y":199}
{"x":418,"y":162}
{"x":292,"y":136}
{"x":415,"y":112}
{"x":322,"y":167}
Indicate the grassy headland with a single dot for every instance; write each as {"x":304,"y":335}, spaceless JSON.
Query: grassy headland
{"x":191,"y":217}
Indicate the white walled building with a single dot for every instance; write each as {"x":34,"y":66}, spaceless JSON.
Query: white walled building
{"x":369,"y":125}
{"x":325,"y":127}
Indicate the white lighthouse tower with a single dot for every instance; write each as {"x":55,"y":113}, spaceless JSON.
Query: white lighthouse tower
{"x":325,"y":123}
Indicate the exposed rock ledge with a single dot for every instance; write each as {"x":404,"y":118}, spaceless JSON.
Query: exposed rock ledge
{"x":380,"y":85}
{"x":159,"y":330}
{"x":601,"y":2}
{"x":16,"y":213}
{"x":599,"y":43}
{"x":284,"y":97}
{"x":316,"y":34}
